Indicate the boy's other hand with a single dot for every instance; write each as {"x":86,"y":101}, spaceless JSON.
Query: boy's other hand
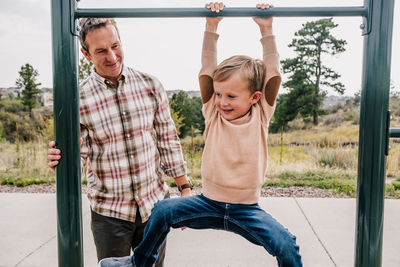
{"x":265,"y":23}
{"x":211,"y":22}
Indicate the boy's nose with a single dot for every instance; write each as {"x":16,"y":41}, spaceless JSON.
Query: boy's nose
{"x":224,"y":102}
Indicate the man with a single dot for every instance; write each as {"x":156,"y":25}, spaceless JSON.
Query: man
{"x":128,"y":140}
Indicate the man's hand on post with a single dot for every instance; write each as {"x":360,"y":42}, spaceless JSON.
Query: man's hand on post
{"x":54,"y":154}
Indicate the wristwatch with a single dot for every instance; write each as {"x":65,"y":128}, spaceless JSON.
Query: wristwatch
{"x":184,"y":186}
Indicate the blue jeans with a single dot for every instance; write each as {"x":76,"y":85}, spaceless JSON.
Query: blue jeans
{"x":200,"y":212}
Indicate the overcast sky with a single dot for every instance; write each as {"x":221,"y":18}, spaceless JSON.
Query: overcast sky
{"x":169,"y":48}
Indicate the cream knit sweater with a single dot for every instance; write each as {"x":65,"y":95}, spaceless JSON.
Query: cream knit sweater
{"x":235,"y":153}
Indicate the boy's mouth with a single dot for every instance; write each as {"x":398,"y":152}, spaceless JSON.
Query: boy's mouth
{"x":227,"y":111}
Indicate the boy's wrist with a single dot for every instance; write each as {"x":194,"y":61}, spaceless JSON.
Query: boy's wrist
{"x":211,"y":27}
{"x":266,"y":30}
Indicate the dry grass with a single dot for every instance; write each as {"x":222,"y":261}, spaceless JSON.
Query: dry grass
{"x":321,"y":136}
{"x":24,"y":163}
{"x":306,"y":157}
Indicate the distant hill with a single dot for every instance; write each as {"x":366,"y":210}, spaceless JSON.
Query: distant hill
{"x":191,"y":94}
{"x":332,"y":100}
{"x":47,"y":95}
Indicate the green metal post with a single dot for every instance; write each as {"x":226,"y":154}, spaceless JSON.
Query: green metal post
{"x":66,"y":120}
{"x":373,"y":134}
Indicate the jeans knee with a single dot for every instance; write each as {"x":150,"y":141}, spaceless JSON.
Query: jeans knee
{"x":161,"y":208}
{"x":288,"y":249}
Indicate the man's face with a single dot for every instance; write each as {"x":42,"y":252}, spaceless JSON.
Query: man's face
{"x":105,"y":52}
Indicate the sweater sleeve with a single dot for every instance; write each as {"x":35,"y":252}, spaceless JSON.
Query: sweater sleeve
{"x":208,"y":65}
{"x":273,"y":76}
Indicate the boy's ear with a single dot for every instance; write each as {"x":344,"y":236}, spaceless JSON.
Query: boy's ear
{"x":255,"y":97}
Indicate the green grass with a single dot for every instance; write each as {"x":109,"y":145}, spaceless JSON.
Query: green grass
{"x":336,"y":181}
{"x":23,"y":177}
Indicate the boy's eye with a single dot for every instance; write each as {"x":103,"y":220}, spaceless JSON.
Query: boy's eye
{"x":218,"y":94}
{"x":231,"y":96}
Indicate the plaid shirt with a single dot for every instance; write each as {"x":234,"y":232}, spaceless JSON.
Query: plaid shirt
{"x":129,"y":142}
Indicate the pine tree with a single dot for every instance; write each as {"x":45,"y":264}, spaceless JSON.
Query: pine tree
{"x":30,"y":88}
{"x":309,"y":77}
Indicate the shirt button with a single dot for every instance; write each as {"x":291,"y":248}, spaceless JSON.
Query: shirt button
{"x":123,"y":113}
{"x":128,"y":135}
{"x":132,"y":157}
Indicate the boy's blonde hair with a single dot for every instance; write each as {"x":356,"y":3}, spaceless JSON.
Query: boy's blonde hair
{"x":251,"y":70}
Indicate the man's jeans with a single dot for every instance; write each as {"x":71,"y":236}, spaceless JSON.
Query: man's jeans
{"x":115,"y":238}
{"x":199,"y":212}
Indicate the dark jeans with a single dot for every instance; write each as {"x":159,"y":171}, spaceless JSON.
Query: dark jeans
{"x":199,"y":212}
{"x":116,"y":238}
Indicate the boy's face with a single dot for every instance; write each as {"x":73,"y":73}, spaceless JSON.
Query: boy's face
{"x":233,"y":98}
{"x":105,"y":52}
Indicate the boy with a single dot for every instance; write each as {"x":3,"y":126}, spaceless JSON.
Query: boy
{"x":238,"y":101}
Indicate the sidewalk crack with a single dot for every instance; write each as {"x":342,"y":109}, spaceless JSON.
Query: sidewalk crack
{"x":33,"y":252}
{"x":315,"y":233}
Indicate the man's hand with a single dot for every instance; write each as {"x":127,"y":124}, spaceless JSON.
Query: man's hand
{"x":186,"y":192}
{"x":181,"y":180}
{"x":211,"y":22}
{"x":265,"y":23}
{"x":54,"y":155}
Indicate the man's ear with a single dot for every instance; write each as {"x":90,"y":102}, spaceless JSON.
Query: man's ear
{"x":255,"y":97}
{"x":86,"y":54}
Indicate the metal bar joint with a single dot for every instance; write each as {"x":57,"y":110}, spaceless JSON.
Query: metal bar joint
{"x":367,"y":18}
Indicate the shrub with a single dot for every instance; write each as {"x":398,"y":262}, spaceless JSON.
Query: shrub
{"x":333,"y":120}
{"x":337,"y":158}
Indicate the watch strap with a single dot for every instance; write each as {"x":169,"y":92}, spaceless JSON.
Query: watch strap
{"x":184,"y":186}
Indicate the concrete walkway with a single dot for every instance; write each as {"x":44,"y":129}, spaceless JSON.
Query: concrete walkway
{"x":325,"y":230}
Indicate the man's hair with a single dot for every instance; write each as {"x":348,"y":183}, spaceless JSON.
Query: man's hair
{"x":87,"y":25}
{"x":250,"y":69}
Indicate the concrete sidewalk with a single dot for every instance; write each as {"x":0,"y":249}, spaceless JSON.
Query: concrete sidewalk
{"x":325,"y":230}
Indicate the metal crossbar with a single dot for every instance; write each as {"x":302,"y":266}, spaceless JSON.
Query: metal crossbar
{"x":227,"y":12}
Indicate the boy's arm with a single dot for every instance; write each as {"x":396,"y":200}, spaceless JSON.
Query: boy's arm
{"x":270,"y":56}
{"x":209,"y":53}
{"x":271,"y":61}
{"x":208,"y":65}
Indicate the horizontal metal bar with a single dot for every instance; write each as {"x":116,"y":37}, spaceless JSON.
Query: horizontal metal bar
{"x":394,"y":132}
{"x":227,"y":12}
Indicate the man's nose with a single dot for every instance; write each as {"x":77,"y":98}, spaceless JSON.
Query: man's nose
{"x":111,"y":56}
